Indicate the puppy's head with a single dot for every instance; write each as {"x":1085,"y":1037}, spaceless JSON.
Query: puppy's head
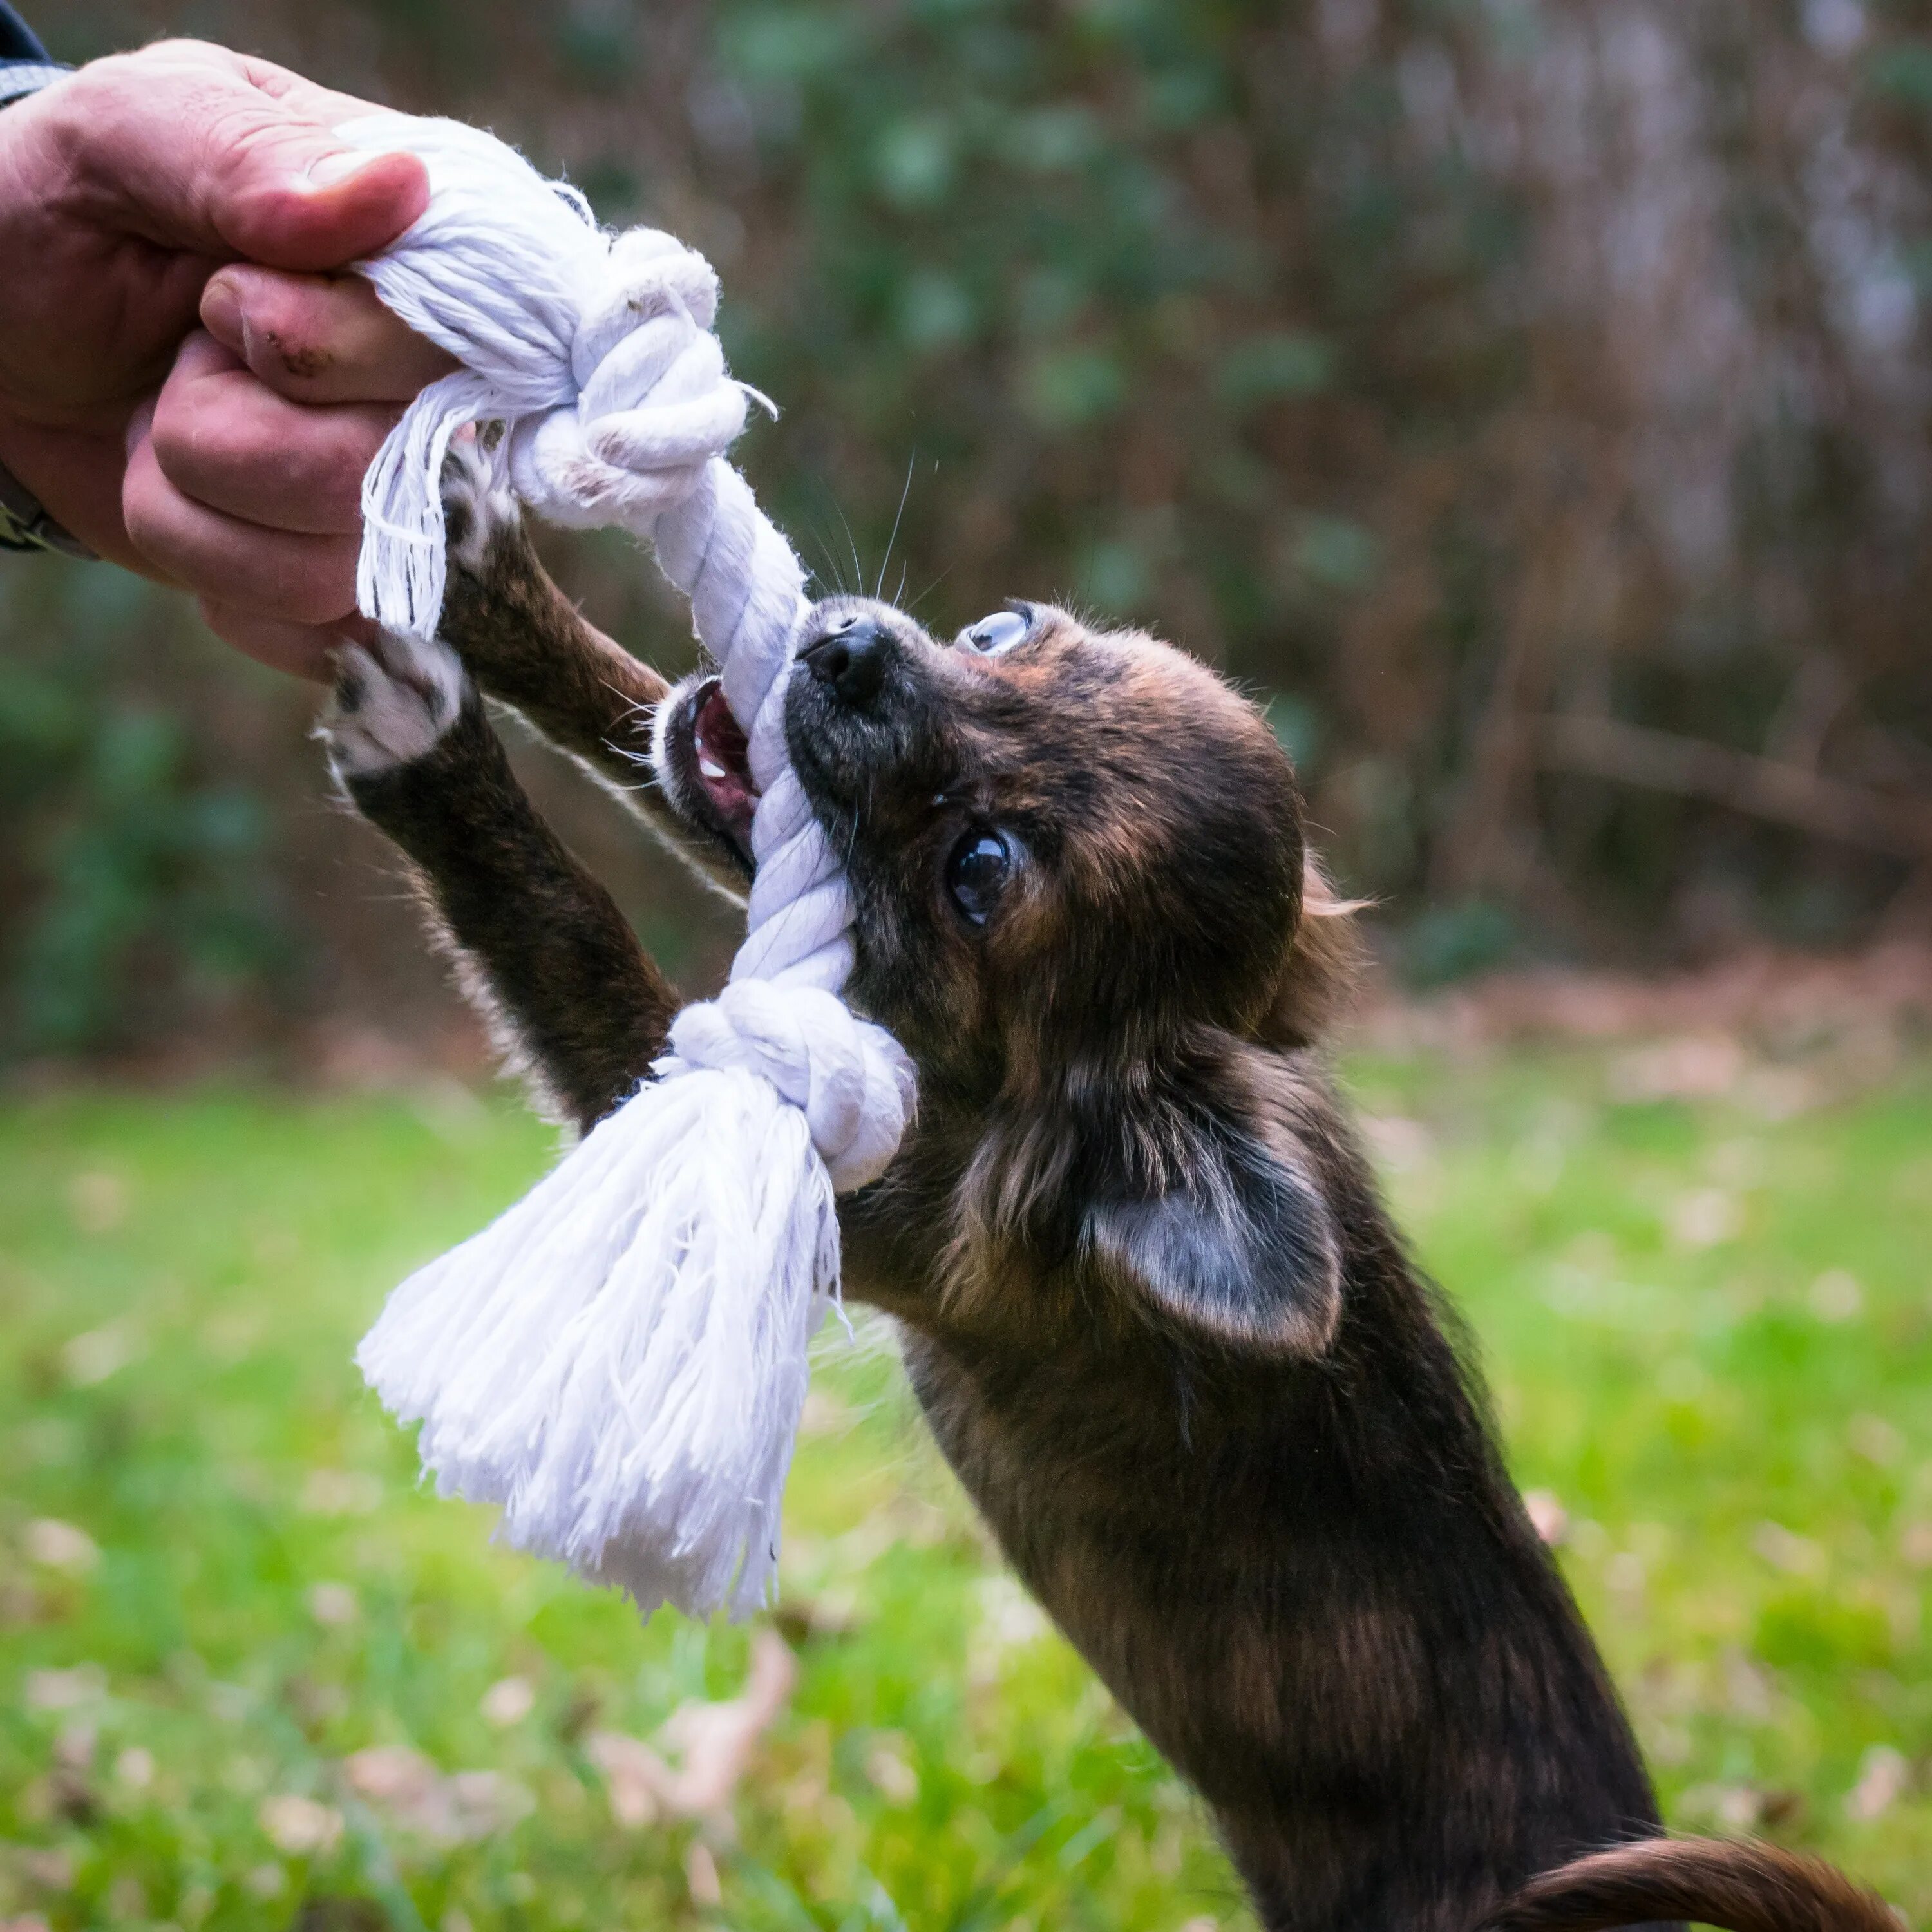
{"x":1076,"y":860}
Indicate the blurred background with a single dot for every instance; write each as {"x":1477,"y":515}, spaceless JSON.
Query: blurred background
{"x":1529,"y":404}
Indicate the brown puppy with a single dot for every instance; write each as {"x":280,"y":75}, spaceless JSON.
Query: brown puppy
{"x":1152,"y":1304}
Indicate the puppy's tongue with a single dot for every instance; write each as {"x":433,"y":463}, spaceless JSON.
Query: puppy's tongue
{"x":723,"y":764}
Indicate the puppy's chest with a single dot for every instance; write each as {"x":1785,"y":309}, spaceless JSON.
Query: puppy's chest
{"x":1153,"y":1570}
{"x":1075,"y":1457}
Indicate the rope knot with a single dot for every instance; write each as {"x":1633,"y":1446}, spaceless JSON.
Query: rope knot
{"x":655,"y":402}
{"x":851,"y":1080}
{"x":595,"y":351}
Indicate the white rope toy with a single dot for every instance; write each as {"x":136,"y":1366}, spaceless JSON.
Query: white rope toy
{"x":619,"y":1361}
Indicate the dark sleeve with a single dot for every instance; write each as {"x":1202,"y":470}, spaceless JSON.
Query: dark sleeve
{"x":24,"y":68}
{"x":17,"y":40}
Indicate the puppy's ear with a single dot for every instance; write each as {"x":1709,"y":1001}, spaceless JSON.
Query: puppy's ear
{"x":1234,"y":1243}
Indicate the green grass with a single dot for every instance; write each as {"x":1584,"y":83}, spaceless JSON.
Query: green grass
{"x":1711,"y":1335}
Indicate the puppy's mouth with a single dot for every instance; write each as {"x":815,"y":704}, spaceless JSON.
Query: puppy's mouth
{"x":721,"y":762}
{"x":703,"y":765}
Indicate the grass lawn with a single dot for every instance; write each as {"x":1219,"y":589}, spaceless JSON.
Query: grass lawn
{"x":250,"y":1677}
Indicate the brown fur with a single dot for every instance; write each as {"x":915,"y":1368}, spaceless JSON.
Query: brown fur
{"x":553,"y":966}
{"x":529,"y":647}
{"x":1152,"y":1304}
{"x":1748,"y":1887}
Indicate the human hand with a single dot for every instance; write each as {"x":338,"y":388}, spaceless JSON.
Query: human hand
{"x":123,"y":190}
{"x":244,"y":476}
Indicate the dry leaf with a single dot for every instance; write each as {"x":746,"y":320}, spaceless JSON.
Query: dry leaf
{"x":508,"y":1701}
{"x":409,"y":1790}
{"x":333,"y":1604}
{"x":64,"y":1690}
{"x":1547,"y":1515}
{"x":296,"y":1825}
{"x":341,"y":1493}
{"x":715,"y":1743}
{"x":1785,"y":1550}
{"x":1884,"y":1777}
{"x":700,"y":1874}
{"x":60,"y":1546}
{"x":891,"y":1771}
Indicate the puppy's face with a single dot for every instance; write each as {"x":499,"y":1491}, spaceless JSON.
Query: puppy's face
{"x":1076,"y":861}
{"x":1063,"y":845}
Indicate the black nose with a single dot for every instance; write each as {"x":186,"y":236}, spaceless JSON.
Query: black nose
{"x":851,"y":659}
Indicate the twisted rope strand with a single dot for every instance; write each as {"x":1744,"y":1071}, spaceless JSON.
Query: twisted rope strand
{"x":597,"y":354}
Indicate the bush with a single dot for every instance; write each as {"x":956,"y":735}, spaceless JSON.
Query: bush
{"x":1533,"y":398}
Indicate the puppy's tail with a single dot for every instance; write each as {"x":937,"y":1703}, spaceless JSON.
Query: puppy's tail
{"x":1739,"y":1884}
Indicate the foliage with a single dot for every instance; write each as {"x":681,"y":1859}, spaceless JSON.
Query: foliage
{"x":129,"y":851}
{"x":1707,"y":1328}
{"x":1486,"y":380}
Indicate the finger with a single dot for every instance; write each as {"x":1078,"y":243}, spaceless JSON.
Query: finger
{"x":269,"y":573}
{"x":231,"y":444}
{"x":320,"y":338}
{"x":206,"y":151}
{"x":303,"y":650}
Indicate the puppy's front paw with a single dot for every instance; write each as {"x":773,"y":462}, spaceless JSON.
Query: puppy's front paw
{"x":391,"y":705}
{"x":477,"y":507}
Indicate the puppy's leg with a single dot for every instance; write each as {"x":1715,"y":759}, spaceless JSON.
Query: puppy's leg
{"x":529,"y":647}
{"x":539,"y":945}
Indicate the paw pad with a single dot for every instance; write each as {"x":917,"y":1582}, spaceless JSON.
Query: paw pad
{"x":391,"y":704}
{"x":476,"y":506}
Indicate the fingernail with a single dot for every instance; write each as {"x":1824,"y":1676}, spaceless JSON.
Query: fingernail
{"x":331,"y":170}
{"x":221,"y":313}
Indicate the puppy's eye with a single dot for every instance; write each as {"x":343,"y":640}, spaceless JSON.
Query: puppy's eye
{"x":999,"y":632}
{"x":977,"y":872}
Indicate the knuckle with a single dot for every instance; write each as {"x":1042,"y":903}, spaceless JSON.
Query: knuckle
{"x":172,"y":48}
{"x":197,"y":440}
{"x":129,"y":77}
{"x":152,"y":528}
{"x":144,"y":493}
{"x":176,"y":429}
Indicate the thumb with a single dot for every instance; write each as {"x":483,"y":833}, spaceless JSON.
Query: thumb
{"x":290,"y":195}
{"x":227,"y":156}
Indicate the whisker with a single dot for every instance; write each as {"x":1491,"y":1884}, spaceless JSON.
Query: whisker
{"x":898,"y":516}
{"x":858,"y":569}
{"x":831,"y":572}
{"x":911,"y":608}
{"x":634,"y":707}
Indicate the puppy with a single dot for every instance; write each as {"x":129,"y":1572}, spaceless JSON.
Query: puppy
{"x":1152,"y":1304}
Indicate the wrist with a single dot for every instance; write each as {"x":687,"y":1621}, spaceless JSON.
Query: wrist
{"x":26,"y":523}
{"x":57,"y":492}
{"x":25,"y":65}
{"x":19,"y":78}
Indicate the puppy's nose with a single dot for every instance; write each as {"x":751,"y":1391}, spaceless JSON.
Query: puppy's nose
{"x":851,"y":659}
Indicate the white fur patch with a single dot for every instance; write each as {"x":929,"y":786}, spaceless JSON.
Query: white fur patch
{"x":391,"y":705}
{"x":471,"y":483}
